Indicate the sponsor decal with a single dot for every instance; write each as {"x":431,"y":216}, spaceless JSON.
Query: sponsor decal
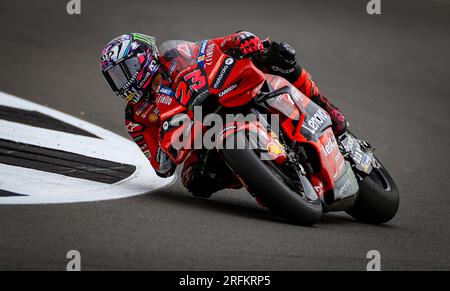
{"x":175,"y":121}
{"x":153,"y":66}
{"x":216,"y":67}
{"x":227,"y":128}
{"x":203,"y":47}
{"x":224,"y":71}
{"x":201,"y":54}
{"x":209,"y":54}
{"x":179,"y":118}
{"x":149,"y":40}
{"x":142,"y":107}
{"x":362,"y":159}
{"x":315,"y":121}
{"x":144,"y":80}
{"x":163,"y":99}
{"x":206,"y":53}
{"x":282,"y":71}
{"x":229,"y":61}
{"x":133,"y":127}
{"x":166,"y":91}
{"x":153,"y":117}
{"x":198,"y":98}
{"x":228,"y":90}
{"x":172,"y":67}
{"x":330,"y":146}
{"x":147,"y":111}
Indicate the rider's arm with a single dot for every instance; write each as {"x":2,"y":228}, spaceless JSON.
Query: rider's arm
{"x":145,"y":133}
{"x":280,"y":59}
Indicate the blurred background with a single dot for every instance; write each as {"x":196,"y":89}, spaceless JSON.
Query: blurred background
{"x":388,"y":73}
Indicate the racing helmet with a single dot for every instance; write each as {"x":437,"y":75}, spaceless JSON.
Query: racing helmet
{"x":129,"y":62}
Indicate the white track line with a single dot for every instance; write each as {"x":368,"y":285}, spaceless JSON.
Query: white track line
{"x":43,"y":187}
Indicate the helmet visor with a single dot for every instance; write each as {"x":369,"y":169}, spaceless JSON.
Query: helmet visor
{"x":122,"y":73}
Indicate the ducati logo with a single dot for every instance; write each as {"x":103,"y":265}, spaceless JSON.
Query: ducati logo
{"x":166,"y":125}
{"x":229,"y":61}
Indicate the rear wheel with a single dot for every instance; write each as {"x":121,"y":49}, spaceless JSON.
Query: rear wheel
{"x":293,"y":200}
{"x":378,"y":199}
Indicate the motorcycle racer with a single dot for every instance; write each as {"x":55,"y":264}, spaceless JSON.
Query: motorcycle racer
{"x":133,"y":68}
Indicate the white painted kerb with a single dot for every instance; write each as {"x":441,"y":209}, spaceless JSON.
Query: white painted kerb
{"x":46,"y":187}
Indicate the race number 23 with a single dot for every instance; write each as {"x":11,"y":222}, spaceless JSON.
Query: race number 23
{"x":194,"y":81}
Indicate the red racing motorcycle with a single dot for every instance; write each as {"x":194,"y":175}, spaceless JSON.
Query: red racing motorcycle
{"x":295,"y":166}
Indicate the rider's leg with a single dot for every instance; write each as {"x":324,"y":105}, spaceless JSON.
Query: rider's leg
{"x":308,"y":87}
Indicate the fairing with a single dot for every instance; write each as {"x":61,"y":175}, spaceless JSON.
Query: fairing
{"x":306,"y":123}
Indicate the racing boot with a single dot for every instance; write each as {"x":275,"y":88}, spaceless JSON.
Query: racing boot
{"x":204,"y":173}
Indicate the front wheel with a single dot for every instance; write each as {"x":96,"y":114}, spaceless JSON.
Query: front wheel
{"x":378,"y":199}
{"x":273,"y":188}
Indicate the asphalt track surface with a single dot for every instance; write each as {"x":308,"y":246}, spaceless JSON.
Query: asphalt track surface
{"x":389,"y":73}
